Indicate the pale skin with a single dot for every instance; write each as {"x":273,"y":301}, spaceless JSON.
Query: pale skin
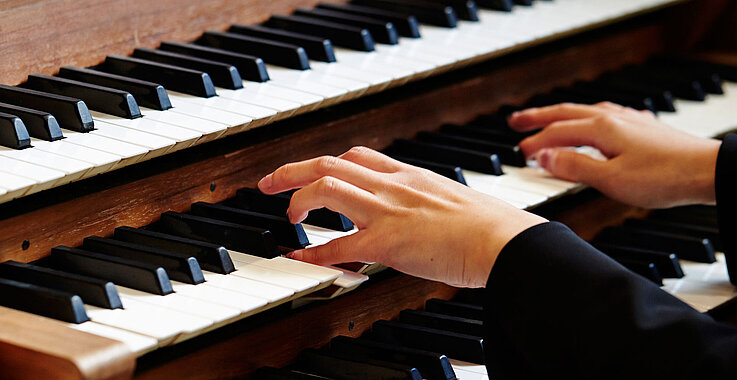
{"x":429,"y":226}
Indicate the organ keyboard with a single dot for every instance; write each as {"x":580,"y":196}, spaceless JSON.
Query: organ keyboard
{"x":158,"y":105}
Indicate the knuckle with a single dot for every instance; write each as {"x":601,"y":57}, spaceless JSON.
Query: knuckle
{"x":326,"y":164}
{"x":326,"y":186}
{"x":567,"y":106}
{"x":359,"y":150}
{"x":283,"y":172}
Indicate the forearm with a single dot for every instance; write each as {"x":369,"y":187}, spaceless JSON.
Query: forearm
{"x":557,"y":307}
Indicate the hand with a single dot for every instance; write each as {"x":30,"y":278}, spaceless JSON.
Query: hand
{"x":408,"y":218}
{"x":649,"y":164}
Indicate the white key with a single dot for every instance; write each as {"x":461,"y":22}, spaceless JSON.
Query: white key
{"x":184,"y":138}
{"x":138,"y":344}
{"x":43,"y":178}
{"x":156,"y":145}
{"x":326,"y":233}
{"x":465,"y":370}
{"x":307,"y":100}
{"x":232,"y":120}
{"x":209,"y":130}
{"x":258,"y":115}
{"x":73,"y":169}
{"x":377,"y":81}
{"x":128,"y":153}
{"x":284,"y":108}
{"x":331,"y":94}
{"x":271,"y":293}
{"x":505,"y":193}
{"x":316,"y":240}
{"x":101,"y":161}
{"x":316,"y":272}
{"x":13,"y":186}
{"x":247,"y":304}
{"x":217,"y":313}
{"x":354,"y":87}
{"x":373,"y":62}
{"x":349,"y":279}
{"x":275,"y":277}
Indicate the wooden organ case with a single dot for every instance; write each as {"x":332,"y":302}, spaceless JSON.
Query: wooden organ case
{"x":40,"y":36}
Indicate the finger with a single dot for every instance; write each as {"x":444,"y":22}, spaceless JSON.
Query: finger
{"x":340,"y":196}
{"x":372,"y":159}
{"x":343,"y":250}
{"x":300,"y":174}
{"x":534,"y":118}
{"x":574,"y":167}
{"x":571,"y":133}
{"x":611,"y":106}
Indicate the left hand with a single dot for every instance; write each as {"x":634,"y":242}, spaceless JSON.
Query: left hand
{"x":408,"y":218}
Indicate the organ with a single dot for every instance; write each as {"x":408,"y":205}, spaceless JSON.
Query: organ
{"x":449,"y":75}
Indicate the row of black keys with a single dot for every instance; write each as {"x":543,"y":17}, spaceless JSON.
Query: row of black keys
{"x":653,"y":246}
{"x":178,"y":247}
{"x":417,"y":346}
{"x":486,"y":143}
{"x":118,"y":86}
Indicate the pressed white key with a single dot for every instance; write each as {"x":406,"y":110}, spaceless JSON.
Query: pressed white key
{"x":204,"y":292}
{"x":349,"y":279}
{"x":316,"y":272}
{"x":217,"y":313}
{"x":101,"y":161}
{"x":183,"y":137}
{"x":275,"y":277}
{"x":73,"y":169}
{"x":326,"y":233}
{"x":316,"y":240}
{"x":138,"y":344}
{"x":271,"y":293}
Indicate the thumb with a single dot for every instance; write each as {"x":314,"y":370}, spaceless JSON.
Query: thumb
{"x":343,"y":250}
{"x":573,"y":166}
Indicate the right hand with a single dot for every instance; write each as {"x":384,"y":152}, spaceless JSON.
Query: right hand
{"x":649,"y":164}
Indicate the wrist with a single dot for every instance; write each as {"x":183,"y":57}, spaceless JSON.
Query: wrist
{"x":702,"y":189}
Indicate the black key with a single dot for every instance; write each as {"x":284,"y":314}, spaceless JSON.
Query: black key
{"x":526,"y":3}
{"x":383,"y":32}
{"x":727,"y":72}
{"x":433,"y":366}
{"x":103,"y":99}
{"x":256,"y":241}
{"x":661,"y":100}
{"x":699,"y":215}
{"x":406,"y":25}
{"x":13,"y":133}
{"x":465,"y":158}
{"x":222,"y":74}
{"x":497,"y":5}
{"x":484,"y":134}
{"x":666,"y":262}
{"x":39,"y":124}
{"x":685,"y":247}
{"x":347,"y":36}
{"x":277,"y":204}
{"x":465,"y":9}
{"x":132,"y":274}
{"x":271,"y":373}
{"x":274,"y":52}
{"x":495,"y":121}
{"x":457,"y":346}
{"x":92,"y":290}
{"x":317,"y":48}
{"x":47,"y":302}
{"x":709,"y":79}
{"x":508,"y":154}
{"x":340,"y":366}
{"x":250,"y":67}
{"x":450,"y":171}
{"x":685,"y":88}
{"x":179,"y":267}
{"x":644,"y":269}
{"x":71,"y":113}
{"x":212,"y":257}
{"x":285,"y":233}
{"x":147,"y":94}
{"x":442,"y":322}
{"x":684,"y":228}
{"x":428,"y":13}
{"x":595,"y":96}
{"x":175,"y":78}
{"x":453,"y":308}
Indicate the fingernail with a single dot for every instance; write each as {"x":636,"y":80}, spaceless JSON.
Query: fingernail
{"x":296,"y":255}
{"x":266,"y":182}
{"x":543,"y":157}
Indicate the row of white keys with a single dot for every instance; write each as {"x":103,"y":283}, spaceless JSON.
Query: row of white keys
{"x":333,"y":88}
{"x":376,"y":81}
{"x":73,"y":169}
{"x":249,"y":94}
{"x":712,"y":117}
{"x":258,"y":90}
{"x":209,"y":130}
{"x":138,"y":344}
{"x":371,"y":62}
{"x":236,"y":115}
{"x":321,"y":274}
{"x":704,"y":286}
{"x":183,"y":138}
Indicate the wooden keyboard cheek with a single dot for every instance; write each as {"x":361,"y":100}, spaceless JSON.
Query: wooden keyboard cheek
{"x":33,"y":347}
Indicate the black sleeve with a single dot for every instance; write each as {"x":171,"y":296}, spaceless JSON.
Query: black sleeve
{"x":556,"y":307}
{"x":726,"y":192}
